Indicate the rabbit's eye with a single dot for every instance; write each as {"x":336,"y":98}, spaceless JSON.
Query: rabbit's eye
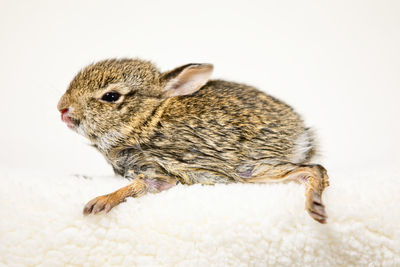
{"x":111,"y":96}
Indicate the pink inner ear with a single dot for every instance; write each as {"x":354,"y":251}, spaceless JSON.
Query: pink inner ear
{"x":190,"y":80}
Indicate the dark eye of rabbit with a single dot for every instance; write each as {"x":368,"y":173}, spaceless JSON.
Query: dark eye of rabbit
{"x":110,"y":97}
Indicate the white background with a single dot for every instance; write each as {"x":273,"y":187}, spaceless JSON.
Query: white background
{"x":336,"y":62}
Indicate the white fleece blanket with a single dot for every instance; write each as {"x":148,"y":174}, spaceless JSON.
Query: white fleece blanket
{"x":238,"y":225}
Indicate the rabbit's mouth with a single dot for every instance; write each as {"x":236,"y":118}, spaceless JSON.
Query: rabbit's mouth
{"x":73,"y":124}
{"x":67,"y":119}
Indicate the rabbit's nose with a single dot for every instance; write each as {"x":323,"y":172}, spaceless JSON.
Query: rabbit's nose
{"x":64,"y":114}
{"x":66,"y":118}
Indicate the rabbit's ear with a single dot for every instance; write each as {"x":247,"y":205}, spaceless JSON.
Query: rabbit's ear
{"x":186,"y":79}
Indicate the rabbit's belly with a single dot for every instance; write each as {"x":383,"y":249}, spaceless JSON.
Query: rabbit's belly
{"x":206,"y":177}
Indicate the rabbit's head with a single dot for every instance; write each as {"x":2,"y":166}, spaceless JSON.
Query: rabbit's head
{"x":108,"y":100}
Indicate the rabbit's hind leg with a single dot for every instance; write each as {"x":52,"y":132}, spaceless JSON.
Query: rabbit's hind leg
{"x":314,"y":177}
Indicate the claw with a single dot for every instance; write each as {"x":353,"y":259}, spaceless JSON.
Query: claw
{"x":87,"y":209}
{"x":97,"y":208}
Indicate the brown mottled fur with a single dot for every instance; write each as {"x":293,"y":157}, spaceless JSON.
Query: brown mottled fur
{"x":220,"y":132}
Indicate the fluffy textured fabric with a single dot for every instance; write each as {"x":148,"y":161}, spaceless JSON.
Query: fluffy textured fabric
{"x":239,"y":225}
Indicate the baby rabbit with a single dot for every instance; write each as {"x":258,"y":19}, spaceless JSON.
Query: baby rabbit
{"x":159,"y":129}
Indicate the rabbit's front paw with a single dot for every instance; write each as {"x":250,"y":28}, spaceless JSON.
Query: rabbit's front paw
{"x":106,"y":203}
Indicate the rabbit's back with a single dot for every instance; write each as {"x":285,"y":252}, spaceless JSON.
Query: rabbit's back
{"x":227,"y":128}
